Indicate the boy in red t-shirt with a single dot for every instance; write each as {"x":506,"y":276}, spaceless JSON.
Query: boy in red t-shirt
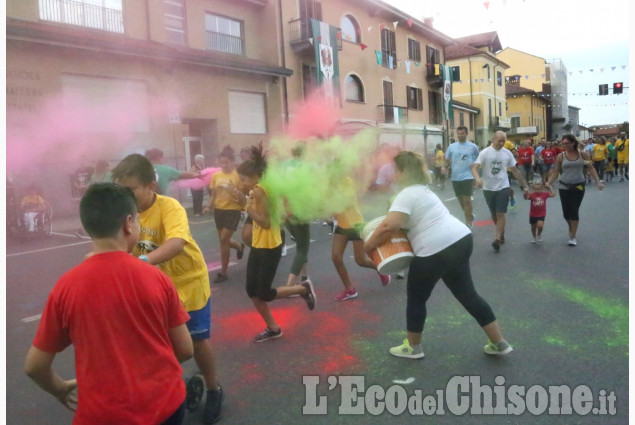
{"x":538,"y":210}
{"x":124,"y":320}
{"x":548,"y":155}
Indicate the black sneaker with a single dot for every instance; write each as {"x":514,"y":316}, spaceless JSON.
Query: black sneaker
{"x":194,"y":389}
{"x":220,"y":278}
{"x":496,"y":245}
{"x":309,"y":295}
{"x":213,"y":402}
{"x":268,"y":334}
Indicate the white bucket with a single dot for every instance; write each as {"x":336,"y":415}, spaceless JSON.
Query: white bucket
{"x":394,"y":255}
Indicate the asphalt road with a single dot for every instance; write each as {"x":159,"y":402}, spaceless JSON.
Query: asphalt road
{"x":564,"y":310}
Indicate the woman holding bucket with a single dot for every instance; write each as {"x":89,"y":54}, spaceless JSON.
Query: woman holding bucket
{"x":442,"y":246}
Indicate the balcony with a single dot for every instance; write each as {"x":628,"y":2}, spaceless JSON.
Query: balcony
{"x":82,"y":15}
{"x":524,"y":131}
{"x":225,"y":43}
{"x":301,"y":35}
{"x":501,"y":123}
{"x":392,"y":114}
{"x":433,"y":75}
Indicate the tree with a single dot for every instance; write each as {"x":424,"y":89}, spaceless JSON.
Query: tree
{"x":624,"y":127}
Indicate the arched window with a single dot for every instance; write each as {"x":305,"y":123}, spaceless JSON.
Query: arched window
{"x":350,"y":29}
{"x":354,"y":89}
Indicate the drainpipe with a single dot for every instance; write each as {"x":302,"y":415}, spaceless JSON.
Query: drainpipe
{"x":148,"y":32}
{"x":285,"y":96}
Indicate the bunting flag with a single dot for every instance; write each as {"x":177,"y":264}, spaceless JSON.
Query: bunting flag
{"x":417,"y":63}
{"x":394,"y":24}
{"x":379,"y":56}
{"x":407,"y":66}
{"x":486,"y":4}
{"x":363,"y":46}
{"x":382,"y":27}
{"x":370,"y":29}
{"x":613,"y":68}
{"x":409,"y":21}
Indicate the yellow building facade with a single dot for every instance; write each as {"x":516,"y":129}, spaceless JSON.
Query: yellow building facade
{"x":479,"y":81}
{"x":530,"y":69}
{"x":527,"y":111}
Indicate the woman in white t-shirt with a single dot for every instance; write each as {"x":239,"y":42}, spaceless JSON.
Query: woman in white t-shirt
{"x":442,"y":246}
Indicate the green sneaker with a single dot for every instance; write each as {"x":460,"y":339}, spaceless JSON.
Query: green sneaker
{"x":499,"y":349}
{"x":405,"y":350}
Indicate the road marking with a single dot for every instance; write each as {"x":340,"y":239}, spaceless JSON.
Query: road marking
{"x":217,"y":266}
{"x":31,"y":318}
{"x":449,"y":199}
{"x":47,"y":249}
{"x":74,"y":235}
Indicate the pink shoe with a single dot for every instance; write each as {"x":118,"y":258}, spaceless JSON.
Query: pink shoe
{"x":385,"y":279}
{"x":346,"y":295}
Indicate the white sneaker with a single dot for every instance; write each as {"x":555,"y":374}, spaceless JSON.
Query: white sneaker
{"x":573,"y":242}
{"x":533,"y":239}
{"x":539,"y":238}
{"x":284,"y":250}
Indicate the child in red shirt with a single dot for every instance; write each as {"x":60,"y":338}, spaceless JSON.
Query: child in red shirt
{"x":538,"y":210}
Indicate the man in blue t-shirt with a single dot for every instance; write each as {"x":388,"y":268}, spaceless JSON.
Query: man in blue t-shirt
{"x":460,"y":156}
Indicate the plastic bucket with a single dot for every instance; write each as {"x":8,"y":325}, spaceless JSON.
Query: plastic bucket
{"x":392,"y":256}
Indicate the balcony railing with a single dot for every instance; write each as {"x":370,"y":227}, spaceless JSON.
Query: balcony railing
{"x":82,"y":15}
{"x":300,"y":30}
{"x":225,"y":43}
{"x":433,"y":75}
{"x":392,"y":114}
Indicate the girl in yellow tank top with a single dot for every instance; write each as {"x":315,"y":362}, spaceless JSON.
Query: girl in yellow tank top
{"x":266,"y":250}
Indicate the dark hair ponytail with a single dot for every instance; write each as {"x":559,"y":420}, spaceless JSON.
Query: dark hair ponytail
{"x":256,"y":165}
{"x":228,"y":153}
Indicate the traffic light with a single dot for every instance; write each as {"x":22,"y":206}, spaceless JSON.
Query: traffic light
{"x":617,"y":88}
{"x":604,"y":89}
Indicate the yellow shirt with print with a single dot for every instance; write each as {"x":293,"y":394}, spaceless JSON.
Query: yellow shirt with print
{"x":265,"y":238}
{"x":351,"y":216}
{"x":623,"y":154}
{"x":600,"y":152}
{"x":224,"y":199}
{"x":167,"y":219}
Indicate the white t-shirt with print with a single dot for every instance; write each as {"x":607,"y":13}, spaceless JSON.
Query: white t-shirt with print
{"x":494,"y":164}
{"x":431,"y":228}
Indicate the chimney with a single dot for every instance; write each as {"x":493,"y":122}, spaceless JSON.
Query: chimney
{"x":429,"y":21}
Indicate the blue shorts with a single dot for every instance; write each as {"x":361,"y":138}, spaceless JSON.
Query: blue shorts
{"x":200,"y":321}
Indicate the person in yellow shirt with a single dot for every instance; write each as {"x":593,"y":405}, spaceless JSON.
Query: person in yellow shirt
{"x":347,"y":229}
{"x":266,"y":249}
{"x":165,"y":241}
{"x":31,"y":206}
{"x":599,"y":154}
{"x":226,"y":202}
{"x":621,"y":146}
{"x":439,"y":162}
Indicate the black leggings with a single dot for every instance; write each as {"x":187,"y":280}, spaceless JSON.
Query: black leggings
{"x":261,"y":271}
{"x":302,"y":234}
{"x":571,"y":200}
{"x":453,"y":266}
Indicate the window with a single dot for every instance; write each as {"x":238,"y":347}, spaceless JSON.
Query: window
{"x":456,"y":73}
{"x":471,"y":121}
{"x":499,"y":78}
{"x":174,"y":18}
{"x":104,"y":15}
{"x":432,"y":60}
{"x":415,"y":98}
{"x":489,"y":75}
{"x":434,"y":104}
{"x":350,"y":29}
{"x":414,"y":50}
{"x":224,"y":34}
{"x":515,"y":122}
{"x":461,"y":119}
{"x":354,"y":89}
{"x":387,"y":92}
{"x":388,"y":48}
{"x":247,"y":113}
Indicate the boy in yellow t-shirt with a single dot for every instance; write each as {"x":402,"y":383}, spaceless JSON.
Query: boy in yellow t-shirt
{"x":599,"y":154}
{"x":165,"y":241}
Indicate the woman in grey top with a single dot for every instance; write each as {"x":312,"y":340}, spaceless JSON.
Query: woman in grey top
{"x":573,"y":164}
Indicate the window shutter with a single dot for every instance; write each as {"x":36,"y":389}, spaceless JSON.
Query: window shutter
{"x":420,"y":99}
{"x":247,"y":113}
